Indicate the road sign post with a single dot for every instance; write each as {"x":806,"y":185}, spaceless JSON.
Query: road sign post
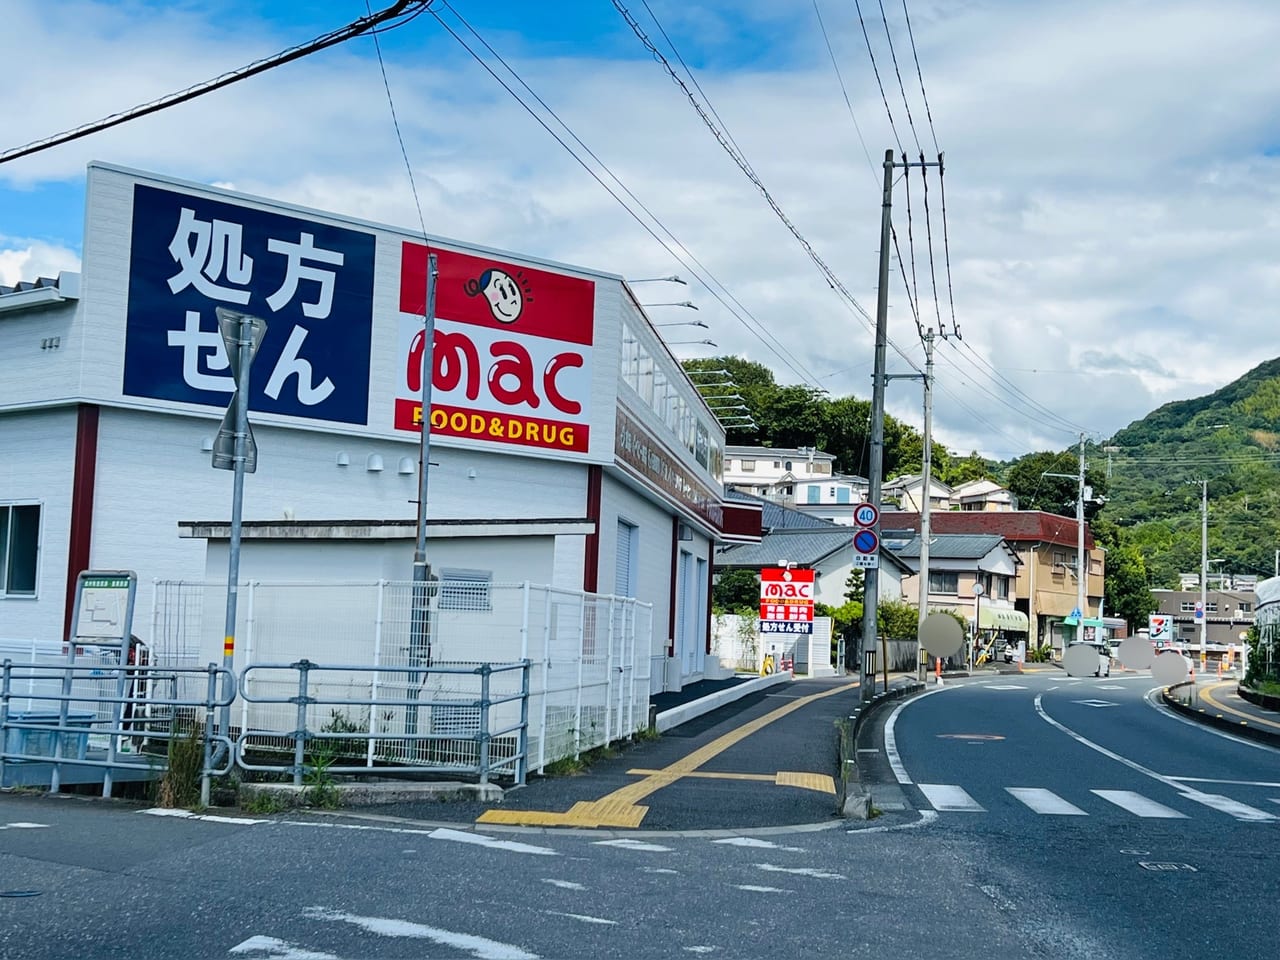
{"x":235,"y":450}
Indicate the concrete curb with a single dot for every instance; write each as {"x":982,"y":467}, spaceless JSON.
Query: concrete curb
{"x":853,"y":799}
{"x":690,"y":711}
{"x":1241,"y":728}
{"x":369,"y":794}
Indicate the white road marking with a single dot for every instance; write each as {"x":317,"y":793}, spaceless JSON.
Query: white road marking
{"x":757,"y":843}
{"x":481,"y":947}
{"x":800,"y":871}
{"x":480,"y":840}
{"x":1139,"y":805}
{"x":1045,"y":801}
{"x":927,"y":817}
{"x":1054,"y":687}
{"x":583,"y":917}
{"x":891,"y":741}
{"x":1096,"y":703}
{"x":278,"y":950}
{"x":563,"y":884}
{"x":207,"y":817}
{"x":753,"y":888}
{"x":1190,"y":793}
{"x":633,"y":845}
{"x":701,"y":949}
{"x":659,"y":870}
{"x":1005,"y":686}
{"x":22,"y":825}
{"x":1237,"y":783}
{"x":1234,"y":808}
{"x":1152,"y":698}
{"x":950,"y":798}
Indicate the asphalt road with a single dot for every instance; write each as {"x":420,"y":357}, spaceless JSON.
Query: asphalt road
{"x":91,"y":879}
{"x":1097,"y":809}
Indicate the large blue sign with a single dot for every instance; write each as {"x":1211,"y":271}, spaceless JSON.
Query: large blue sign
{"x":311,"y":282}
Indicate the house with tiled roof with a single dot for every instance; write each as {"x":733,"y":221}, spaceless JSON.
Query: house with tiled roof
{"x":1045,"y":588}
{"x":960,"y":564}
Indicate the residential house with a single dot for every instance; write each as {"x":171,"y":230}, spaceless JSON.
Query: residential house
{"x":958,"y":565}
{"x":1046,"y":586}
{"x":982,"y":495}
{"x":774,"y":473}
{"x":907,"y":491}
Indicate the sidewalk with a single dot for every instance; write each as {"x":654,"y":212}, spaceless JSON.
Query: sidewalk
{"x":1218,"y":704}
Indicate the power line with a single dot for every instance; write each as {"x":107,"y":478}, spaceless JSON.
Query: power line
{"x":911,"y":247}
{"x":1022,"y":410}
{"x":928,"y":229}
{"x":870,"y":53}
{"x":688,"y":259}
{"x":1014,"y":390}
{"x":354,"y":29}
{"x":722,"y":138}
{"x":923,"y":95}
{"x":395,"y":122}
{"x":946,"y":242}
{"x":844,"y":90}
{"x":903,"y":90}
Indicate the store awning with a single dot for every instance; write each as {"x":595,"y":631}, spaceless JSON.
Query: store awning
{"x":1003,"y":618}
{"x":1088,"y":622}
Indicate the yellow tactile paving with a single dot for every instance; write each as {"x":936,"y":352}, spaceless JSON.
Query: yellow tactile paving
{"x":621,"y":808}
{"x":808,"y":781}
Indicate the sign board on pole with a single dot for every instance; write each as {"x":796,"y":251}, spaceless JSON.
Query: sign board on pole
{"x":1160,"y":628}
{"x":230,"y":323}
{"x":1199,"y":611}
{"x":866,"y":549}
{"x":786,"y":601}
{"x":866,"y":515}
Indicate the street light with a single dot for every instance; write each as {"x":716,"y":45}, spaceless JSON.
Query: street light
{"x":685,"y":323}
{"x":671,"y":279}
{"x":682,"y":303}
{"x":684,"y":343}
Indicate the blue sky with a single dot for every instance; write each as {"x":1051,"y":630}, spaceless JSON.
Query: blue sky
{"x":1110,"y":188}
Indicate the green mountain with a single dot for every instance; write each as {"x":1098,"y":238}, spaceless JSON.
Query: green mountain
{"x":1229,"y":438}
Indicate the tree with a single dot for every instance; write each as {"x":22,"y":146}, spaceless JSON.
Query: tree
{"x":1127,"y":590}
{"x":962,"y":470}
{"x":897,"y":620}
{"x":853,"y":586}
{"x":1026,"y":479}
{"x":736,"y":589}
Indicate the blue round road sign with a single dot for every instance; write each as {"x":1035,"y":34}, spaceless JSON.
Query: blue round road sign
{"x":865,"y":541}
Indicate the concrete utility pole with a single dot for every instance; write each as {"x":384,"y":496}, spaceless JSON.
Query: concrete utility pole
{"x":1204,"y":575}
{"x":1082,"y":571}
{"x":926,"y":470}
{"x":871,"y":577}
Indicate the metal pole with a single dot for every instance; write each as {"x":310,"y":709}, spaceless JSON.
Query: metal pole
{"x":1082,"y":569}
{"x":300,"y":732}
{"x":926,"y":470}
{"x":1204,"y":574}
{"x":210,"y":696}
{"x":243,"y":343}
{"x":871,"y":576}
{"x":420,"y":631}
{"x":483,"y":736}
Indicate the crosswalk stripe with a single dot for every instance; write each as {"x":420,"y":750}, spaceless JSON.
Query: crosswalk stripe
{"x":1139,"y":805}
{"x":949,"y":797}
{"x":1045,"y":801}
{"x":1234,"y":808}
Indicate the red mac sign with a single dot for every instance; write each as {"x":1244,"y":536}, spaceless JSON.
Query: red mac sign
{"x":786,"y":597}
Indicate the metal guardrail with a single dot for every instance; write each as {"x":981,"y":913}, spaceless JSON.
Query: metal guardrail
{"x":414,"y":739}
{"x":135,"y":712}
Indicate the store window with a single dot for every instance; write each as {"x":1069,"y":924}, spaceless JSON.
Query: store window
{"x":19,"y":548}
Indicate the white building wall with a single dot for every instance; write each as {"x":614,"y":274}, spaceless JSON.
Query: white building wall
{"x":38,"y":451}
{"x":32,"y":375}
{"x":152,"y":475}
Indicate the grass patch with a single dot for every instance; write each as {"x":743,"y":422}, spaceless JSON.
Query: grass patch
{"x":1269,"y":687}
{"x":264,"y":803}
{"x":180,"y":785}
{"x":564,"y":767}
{"x":647,"y":735}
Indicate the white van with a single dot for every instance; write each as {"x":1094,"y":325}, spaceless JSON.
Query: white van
{"x":1104,"y":655}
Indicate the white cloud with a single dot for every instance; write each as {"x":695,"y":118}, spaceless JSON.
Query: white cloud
{"x":1110,"y":190}
{"x":35,"y":259}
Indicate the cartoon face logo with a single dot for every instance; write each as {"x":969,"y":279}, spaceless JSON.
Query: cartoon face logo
{"x":506,"y":294}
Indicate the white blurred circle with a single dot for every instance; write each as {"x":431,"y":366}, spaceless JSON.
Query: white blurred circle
{"x":1136,"y":653}
{"x":1081,"y":660}
{"x":1170,"y":668}
{"x":941,"y":634}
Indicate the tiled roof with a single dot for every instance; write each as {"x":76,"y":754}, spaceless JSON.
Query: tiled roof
{"x":803,"y":547}
{"x":790,"y":453}
{"x":952,"y":546}
{"x":1016,"y":526}
{"x":775,"y":516}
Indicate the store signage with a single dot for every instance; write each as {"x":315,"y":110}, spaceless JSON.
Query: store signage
{"x":786,"y":600}
{"x":634,"y":447}
{"x":311,"y":281}
{"x":511,"y":354}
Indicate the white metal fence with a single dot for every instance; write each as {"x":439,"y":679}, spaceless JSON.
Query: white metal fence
{"x":589,"y":680}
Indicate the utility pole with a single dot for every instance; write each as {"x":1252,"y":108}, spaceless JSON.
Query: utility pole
{"x":875,"y":475}
{"x":1082,"y":570}
{"x":871,"y":578}
{"x":1204,"y":574}
{"x":926,"y":470}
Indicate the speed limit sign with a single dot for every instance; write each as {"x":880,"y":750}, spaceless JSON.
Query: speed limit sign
{"x":865,"y":515}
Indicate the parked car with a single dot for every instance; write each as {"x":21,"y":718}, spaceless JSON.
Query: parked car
{"x":1104,"y":655}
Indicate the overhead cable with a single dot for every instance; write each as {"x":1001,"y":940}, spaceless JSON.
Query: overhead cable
{"x":354,"y":29}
